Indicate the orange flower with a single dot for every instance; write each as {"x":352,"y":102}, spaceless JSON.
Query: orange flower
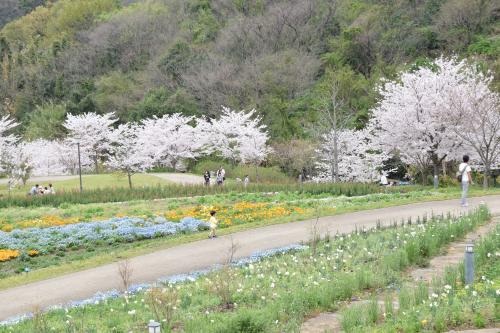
{"x":6,"y":255}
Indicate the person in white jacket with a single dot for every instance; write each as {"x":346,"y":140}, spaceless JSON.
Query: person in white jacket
{"x":466,"y":174}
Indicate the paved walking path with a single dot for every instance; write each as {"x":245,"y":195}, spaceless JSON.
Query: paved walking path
{"x":180,"y":178}
{"x":202,"y":254}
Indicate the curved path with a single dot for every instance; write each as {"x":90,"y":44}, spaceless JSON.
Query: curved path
{"x":202,"y":254}
{"x":180,"y":178}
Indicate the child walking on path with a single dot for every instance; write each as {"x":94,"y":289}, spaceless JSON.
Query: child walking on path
{"x":213,"y":224}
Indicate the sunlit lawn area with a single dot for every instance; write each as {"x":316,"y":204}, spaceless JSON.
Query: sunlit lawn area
{"x":114,"y":180}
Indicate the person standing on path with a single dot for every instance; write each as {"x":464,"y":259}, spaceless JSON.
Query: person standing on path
{"x":213,"y":224}
{"x":206,"y":176}
{"x":465,"y":172}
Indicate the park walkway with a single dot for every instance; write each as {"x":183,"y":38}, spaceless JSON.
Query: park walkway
{"x":202,"y":254}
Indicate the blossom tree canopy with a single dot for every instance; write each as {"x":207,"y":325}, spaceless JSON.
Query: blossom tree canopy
{"x":7,"y":142}
{"x":46,"y":157}
{"x":360,"y":158}
{"x":126,"y":154}
{"x":473,"y":114}
{"x":171,"y":139}
{"x":92,"y":132}
{"x":239,"y":136}
{"x":408,"y":117}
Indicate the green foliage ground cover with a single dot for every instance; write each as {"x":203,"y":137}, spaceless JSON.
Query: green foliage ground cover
{"x":120,"y":194}
{"x":275,"y":294}
{"x":447,"y":303}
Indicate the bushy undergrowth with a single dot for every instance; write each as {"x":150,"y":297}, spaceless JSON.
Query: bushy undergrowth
{"x":275,"y":294}
{"x":171,"y":191}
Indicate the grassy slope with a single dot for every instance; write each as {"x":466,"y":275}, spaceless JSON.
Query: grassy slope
{"x":77,"y":261}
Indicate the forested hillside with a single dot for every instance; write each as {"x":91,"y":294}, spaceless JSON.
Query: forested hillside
{"x":155,"y":57}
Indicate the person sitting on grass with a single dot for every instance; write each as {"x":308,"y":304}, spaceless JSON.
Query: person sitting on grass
{"x":213,"y":224}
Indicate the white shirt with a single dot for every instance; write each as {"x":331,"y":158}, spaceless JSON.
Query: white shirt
{"x":383,"y":180}
{"x":464,"y":169}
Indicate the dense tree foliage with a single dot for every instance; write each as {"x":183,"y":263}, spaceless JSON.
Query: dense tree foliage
{"x":141,"y":59}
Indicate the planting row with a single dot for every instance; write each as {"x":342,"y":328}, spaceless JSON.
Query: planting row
{"x":232,"y":208}
{"x":273,"y":295}
{"x":86,"y":235}
{"x":447,"y":303}
{"x":175,"y":191}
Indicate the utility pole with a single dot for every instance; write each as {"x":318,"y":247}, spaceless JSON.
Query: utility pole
{"x":80,"y":168}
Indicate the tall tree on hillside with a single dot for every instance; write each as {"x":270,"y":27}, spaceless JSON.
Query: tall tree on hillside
{"x":92,"y":132}
{"x":7,"y":141}
{"x":408,"y":117}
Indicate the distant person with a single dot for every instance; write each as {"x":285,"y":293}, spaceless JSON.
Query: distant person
{"x":246,"y":181}
{"x":206,"y":176}
{"x":223,"y":174}
{"x":34,"y":190}
{"x":383,"y":180}
{"x":465,"y":174}
{"x":51,"y":189}
{"x":219,"y":180}
{"x":301,"y":178}
{"x":213,"y":224}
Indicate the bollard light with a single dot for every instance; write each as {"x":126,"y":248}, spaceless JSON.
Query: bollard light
{"x":153,"y":327}
{"x":469,"y":264}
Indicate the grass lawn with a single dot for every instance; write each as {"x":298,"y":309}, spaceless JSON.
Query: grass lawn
{"x":48,"y":266}
{"x":90,"y":182}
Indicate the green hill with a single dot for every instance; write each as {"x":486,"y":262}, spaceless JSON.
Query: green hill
{"x":153,"y":57}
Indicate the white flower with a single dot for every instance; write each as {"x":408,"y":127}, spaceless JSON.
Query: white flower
{"x":489,"y":255}
{"x":131,"y":312}
{"x":498,"y":292}
{"x":474,"y":293}
{"x":448,"y":287}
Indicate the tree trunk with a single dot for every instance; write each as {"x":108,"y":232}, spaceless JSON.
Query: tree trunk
{"x":487,"y":172}
{"x":444,"y":167}
{"x":129,"y":179}
{"x":335,"y":174}
{"x":96,"y":164}
{"x":436,"y":174}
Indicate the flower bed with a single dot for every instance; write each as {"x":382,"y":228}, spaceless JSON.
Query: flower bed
{"x":237,"y":213}
{"x":273,"y":295}
{"x":81,"y":235}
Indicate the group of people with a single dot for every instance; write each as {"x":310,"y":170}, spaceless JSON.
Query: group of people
{"x":40,"y":190}
{"x":220,"y":176}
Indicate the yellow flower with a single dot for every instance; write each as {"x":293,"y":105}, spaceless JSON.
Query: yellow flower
{"x":424,"y":322}
{"x":6,"y":255}
{"x":33,"y":253}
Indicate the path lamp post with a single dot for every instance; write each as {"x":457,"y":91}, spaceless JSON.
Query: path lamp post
{"x":469,"y":264}
{"x":153,"y":327}
{"x":80,"y":168}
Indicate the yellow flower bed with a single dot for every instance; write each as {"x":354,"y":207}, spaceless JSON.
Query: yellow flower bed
{"x":6,"y":255}
{"x":43,"y":222}
{"x":238,"y":213}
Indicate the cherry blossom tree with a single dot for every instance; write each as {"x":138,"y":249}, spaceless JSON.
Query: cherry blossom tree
{"x":126,"y":151}
{"x":7,"y":141}
{"x":171,"y":139}
{"x":239,"y":136}
{"x":357,"y":156}
{"x":473,"y":114}
{"x":408,"y":116}
{"x":47,"y":157}
{"x":92,"y":132}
